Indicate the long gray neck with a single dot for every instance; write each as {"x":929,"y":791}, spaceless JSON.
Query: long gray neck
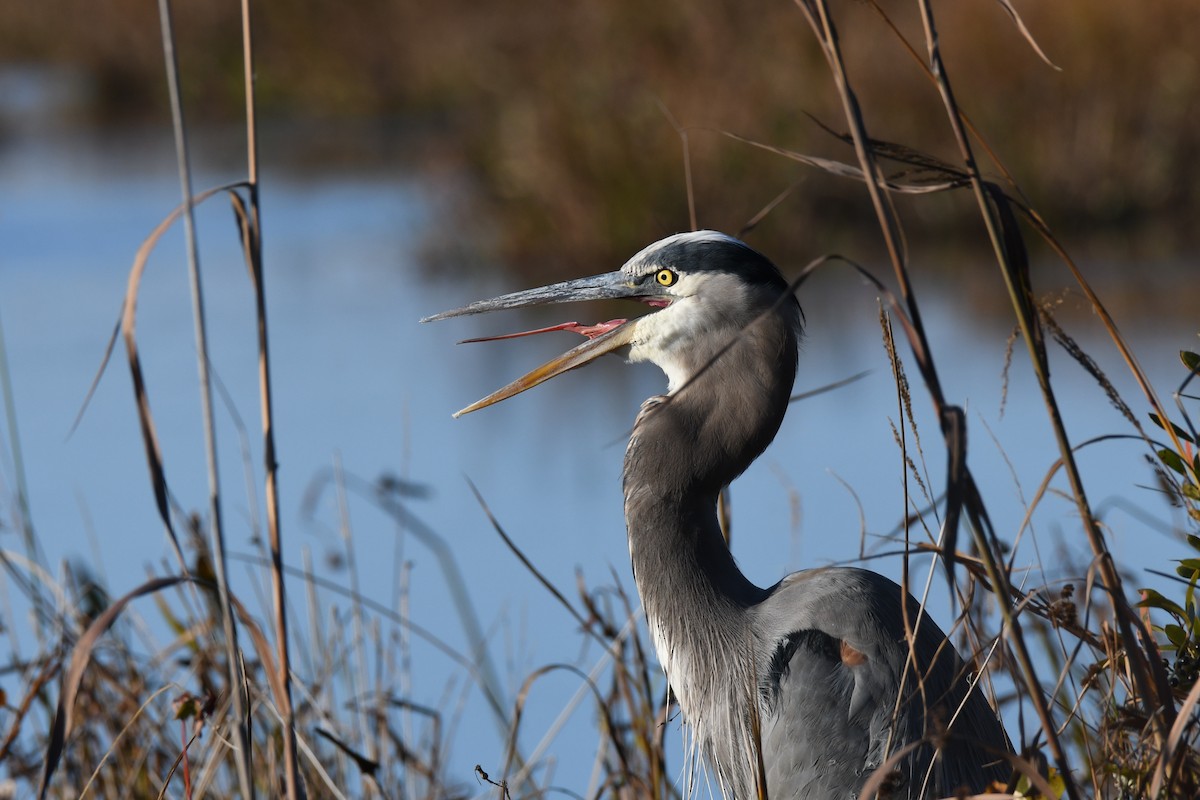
{"x":685,"y":448}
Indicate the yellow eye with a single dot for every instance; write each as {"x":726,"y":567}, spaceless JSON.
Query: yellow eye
{"x":666,"y":277}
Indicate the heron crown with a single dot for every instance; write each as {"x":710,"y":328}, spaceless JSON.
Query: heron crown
{"x":703,"y":251}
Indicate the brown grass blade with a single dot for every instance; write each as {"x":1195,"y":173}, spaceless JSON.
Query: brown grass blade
{"x":80,"y":656}
{"x":1020,"y":23}
{"x":154,"y":458}
{"x":104,"y":359}
{"x":842,"y":170}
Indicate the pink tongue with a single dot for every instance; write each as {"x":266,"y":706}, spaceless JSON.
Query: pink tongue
{"x":590,"y":331}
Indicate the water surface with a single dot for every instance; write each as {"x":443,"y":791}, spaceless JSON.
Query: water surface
{"x":361,"y":386}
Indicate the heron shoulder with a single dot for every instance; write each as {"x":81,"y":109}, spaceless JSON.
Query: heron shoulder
{"x":857,"y":605}
{"x":843,"y":626}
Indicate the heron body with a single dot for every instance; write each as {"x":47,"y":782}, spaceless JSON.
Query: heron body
{"x":812,"y":684}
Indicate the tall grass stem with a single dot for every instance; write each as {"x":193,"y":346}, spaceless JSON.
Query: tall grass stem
{"x":1161,"y":714}
{"x":821,"y":21}
{"x":241,"y":719}
{"x":253,"y":245}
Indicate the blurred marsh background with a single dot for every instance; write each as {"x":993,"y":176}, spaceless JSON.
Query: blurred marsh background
{"x":417,"y":156}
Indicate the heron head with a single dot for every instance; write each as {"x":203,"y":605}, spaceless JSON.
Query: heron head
{"x":701,"y":286}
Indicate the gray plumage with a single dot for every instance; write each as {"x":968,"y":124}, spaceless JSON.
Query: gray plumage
{"x":815,"y":669}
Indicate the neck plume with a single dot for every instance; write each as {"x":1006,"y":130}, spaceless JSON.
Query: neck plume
{"x":685,"y":448}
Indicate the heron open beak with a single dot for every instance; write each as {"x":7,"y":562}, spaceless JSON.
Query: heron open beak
{"x":603,"y":338}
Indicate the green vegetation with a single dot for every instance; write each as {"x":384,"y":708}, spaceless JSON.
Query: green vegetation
{"x":551,"y":107}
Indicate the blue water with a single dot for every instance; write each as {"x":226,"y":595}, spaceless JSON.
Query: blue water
{"x":360,"y":386}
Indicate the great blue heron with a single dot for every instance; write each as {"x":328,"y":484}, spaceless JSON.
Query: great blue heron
{"x":816,"y":674}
